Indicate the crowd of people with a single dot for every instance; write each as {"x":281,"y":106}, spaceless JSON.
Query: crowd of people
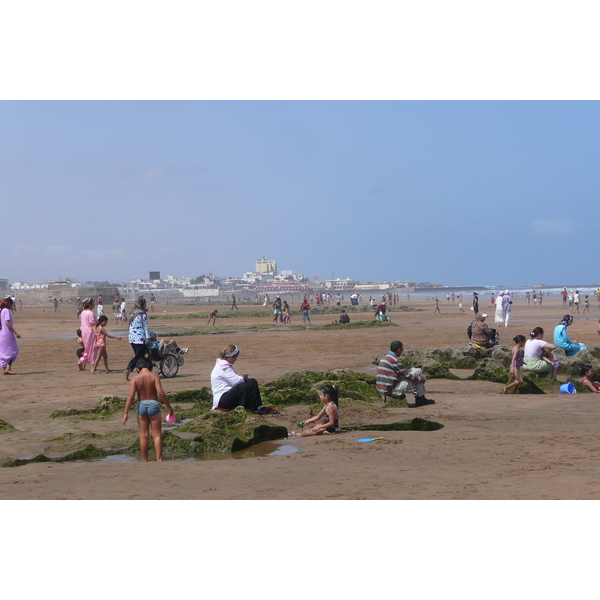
{"x":231,"y":390}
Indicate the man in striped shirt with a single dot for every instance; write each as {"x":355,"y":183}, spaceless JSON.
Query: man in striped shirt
{"x":394,"y":380}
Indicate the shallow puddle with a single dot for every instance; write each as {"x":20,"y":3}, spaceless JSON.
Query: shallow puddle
{"x":282,"y":448}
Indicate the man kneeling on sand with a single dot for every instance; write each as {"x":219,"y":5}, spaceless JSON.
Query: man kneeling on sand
{"x":394,"y":380}
{"x":148,"y":388}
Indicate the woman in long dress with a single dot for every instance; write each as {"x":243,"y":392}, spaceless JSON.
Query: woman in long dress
{"x":88,"y":334}
{"x":499,"y":315}
{"x":9,"y":349}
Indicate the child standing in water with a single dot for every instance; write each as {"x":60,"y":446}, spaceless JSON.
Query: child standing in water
{"x":516,"y":363}
{"x":148,"y":389}
{"x":330,"y":415}
{"x":101,"y":335}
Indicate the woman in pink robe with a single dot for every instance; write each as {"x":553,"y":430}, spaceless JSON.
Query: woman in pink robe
{"x":9,"y":349}
{"x":88,"y":334}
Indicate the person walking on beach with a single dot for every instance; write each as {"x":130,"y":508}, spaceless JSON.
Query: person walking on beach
{"x":437,"y":306}
{"x":277,"y":306}
{"x":506,"y":307}
{"x":499,"y":315}
{"x":123,"y":312}
{"x":564,"y":296}
{"x":233,"y":303}
{"x":475,"y":306}
{"x":101,"y":335}
{"x":146,"y":385}
{"x":9,"y":349}
{"x":116,"y":309}
{"x":138,"y":333}
{"x":88,"y":334}
{"x":460,"y":303}
{"x":304,"y":308}
{"x":575,"y":307}
{"x":587,"y":304}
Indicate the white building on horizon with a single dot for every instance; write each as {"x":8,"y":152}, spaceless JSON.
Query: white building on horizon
{"x":265,"y":265}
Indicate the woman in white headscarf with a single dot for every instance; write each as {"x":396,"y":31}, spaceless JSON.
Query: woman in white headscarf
{"x":499,"y":315}
{"x":506,"y":307}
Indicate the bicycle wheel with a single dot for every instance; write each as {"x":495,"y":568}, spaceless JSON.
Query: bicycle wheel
{"x":169,"y":366}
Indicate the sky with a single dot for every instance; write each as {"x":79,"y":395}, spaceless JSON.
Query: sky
{"x":454,"y":192}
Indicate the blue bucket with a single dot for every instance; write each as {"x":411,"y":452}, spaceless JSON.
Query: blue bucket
{"x":568,"y":388}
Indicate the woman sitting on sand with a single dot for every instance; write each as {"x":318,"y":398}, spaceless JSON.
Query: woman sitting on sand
{"x":561,"y":337}
{"x":229,"y":389}
{"x":534,"y":349}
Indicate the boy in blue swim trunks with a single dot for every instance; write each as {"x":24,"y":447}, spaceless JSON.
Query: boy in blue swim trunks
{"x":148,"y":388}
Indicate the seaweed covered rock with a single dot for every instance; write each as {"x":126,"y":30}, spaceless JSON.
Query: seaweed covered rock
{"x":219,"y":431}
{"x":502,"y":354}
{"x":490,"y":369}
{"x":571,"y":365}
{"x":6,"y":427}
{"x":433,"y":369}
{"x":302,"y":387}
{"x":202,"y":396}
{"x":106,"y":406}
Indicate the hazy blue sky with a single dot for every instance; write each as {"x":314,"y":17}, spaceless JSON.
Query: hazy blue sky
{"x":457,"y":192}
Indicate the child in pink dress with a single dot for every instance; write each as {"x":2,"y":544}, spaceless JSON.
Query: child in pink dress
{"x":101,"y":335}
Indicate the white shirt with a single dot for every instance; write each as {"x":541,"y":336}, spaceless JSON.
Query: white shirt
{"x":222,"y":378}
{"x":534,"y":347}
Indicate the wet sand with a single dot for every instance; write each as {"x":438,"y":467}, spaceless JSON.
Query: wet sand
{"x":491,"y":446}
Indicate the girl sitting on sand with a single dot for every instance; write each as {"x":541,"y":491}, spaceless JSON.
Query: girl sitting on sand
{"x":101,"y":335}
{"x":330,"y":415}
{"x":588,"y":379}
{"x":516,"y":363}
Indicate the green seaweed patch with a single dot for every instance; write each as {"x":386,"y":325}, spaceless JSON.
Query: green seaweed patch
{"x":106,"y":406}
{"x":6,"y":427}
{"x":416,"y":424}
{"x":498,"y":375}
{"x":218,"y":431}
{"x":90,"y":451}
{"x":356,"y":325}
{"x":302,"y":387}
{"x":202,"y":395}
{"x":392,"y":402}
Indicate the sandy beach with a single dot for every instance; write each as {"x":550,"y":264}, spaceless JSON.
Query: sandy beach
{"x":492,"y":446}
